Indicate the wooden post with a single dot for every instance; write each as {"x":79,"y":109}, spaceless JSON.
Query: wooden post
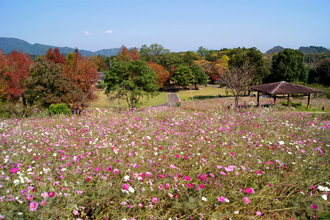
{"x":258,"y":100}
{"x":275,"y":98}
{"x":309,"y":99}
{"x":288,"y":99}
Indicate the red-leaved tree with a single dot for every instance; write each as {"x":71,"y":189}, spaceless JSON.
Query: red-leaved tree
{"x":55,"y":56}
{"x":82,"y":72}
{"x":17,"y":70}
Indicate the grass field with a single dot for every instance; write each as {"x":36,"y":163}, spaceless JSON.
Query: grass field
{"x":103,"y":101}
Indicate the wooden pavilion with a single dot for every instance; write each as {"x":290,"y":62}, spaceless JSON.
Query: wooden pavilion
{"x":282,"y":89}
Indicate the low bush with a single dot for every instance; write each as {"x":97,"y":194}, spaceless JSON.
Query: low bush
{"x":61,"y":108}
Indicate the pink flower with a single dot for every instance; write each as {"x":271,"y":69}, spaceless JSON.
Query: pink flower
{"x":75,"y":212}
{"x":259,"y":213}
{"x":154,"y":199}
{"x":79,"y":191}
{"x":249,"y":190}
{"x":14,"y":170}
{"x":51,"y":194}
{"x":246,"y":200}
{"x":33,"y":206}
{"x":125,"y":186}
{"x":187,"y":178}
{"x":43,"y":202}
{"x":190,"y":185}
{"x":221,"y":199}
{"x":223,"y":173}
{"x":314,"y":206}
{"x":269,"y":184}
{"x":258,"y":172}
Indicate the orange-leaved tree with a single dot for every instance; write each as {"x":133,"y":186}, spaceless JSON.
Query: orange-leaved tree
{"x":128,"y":55}
{"x":83,"y":73}
{"x":18,"y":67}
{"x":162,"y":73}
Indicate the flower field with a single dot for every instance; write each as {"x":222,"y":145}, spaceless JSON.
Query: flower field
{"x":166,"y":163}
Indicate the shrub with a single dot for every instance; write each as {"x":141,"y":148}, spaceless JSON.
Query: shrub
{"x":61,"y":108}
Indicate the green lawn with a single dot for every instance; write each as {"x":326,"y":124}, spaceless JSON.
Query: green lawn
{"x":202,"y":93}
{"x":103,"y":102}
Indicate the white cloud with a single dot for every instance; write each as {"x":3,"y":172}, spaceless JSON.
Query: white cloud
{"x":86,"y":33}
{"x":108,"y":32}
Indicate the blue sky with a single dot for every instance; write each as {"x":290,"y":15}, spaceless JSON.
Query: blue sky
{"x":178,"y":25}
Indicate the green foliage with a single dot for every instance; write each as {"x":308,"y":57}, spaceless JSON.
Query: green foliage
{"x":200,"y":76}
{"x":325,"y":89}
{"x":183,"y":76}
{"x":321,"y":74}
{"x":289,"y":66}
{"x":131,"y":81}
{"x":46,"y":85}
{"x":60,"y":108}
{"x":152,"y":52}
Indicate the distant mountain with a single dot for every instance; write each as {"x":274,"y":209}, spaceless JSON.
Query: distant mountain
{"x":9,"y":44}
{"x":276,"y":49}
{"x":304,"y":50}
{"x":313,"y":49}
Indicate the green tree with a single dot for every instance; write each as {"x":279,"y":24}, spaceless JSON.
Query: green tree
{"x":288,"y":65}
{"x":183,"y":76}
{"x":46,"y":85}
{"x":131,"y":81}
{"x":152,"y":53}
{"x":200,"y":77}
{"x":202,"y":51}
{"x":253,"y":57}
{"x":189,"y":57}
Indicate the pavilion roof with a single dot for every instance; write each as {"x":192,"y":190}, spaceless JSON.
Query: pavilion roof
{"x":283,"y":88}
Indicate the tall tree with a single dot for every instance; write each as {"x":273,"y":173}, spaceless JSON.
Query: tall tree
{"x":47,"y":85}
{"x":152,"y":53}
{"x":128,"y":55}
{"x":162,"y":73}
{"x":200,"y":77}
{"x":55,"y":56}
{"x":183,"y":76}
{"x":131,"y":81}
{"x":202,"y":51}
{"x":82,"y":72}
{"x":288,"y":65}
{"x":237,"y":80}
{"x":3,"y":69}
{"x":99,"y":63}
{"x":17,"y":71}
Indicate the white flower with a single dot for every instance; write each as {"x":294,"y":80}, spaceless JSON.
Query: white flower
{"x":325,"y":197}
{"x":236,"y":212}
{"x":227,"y":200}
{"x":16,"y":182}
{"x":204,"y":199}
{"x":126,"y":178}
{"x":281,"y":142}
{"x":131,"y":189}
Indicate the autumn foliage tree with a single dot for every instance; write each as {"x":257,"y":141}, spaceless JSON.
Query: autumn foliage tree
{"x":128,"y":55}
{"x":82,"y":73}
{"x":14,"y":70}
{"x":47,"y":85}
{"x":162,"y":73}
{"x":55,"y":56}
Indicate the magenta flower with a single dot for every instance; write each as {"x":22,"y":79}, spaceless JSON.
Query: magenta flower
{"x":154,"y":199}
{"x":14,"y":170}
{"x":222,"y":199}
{"x":43,"y":202}
{"x":33,"y":206}
{"x":249,"y":190}
{"x":246,"y":200}
{"x":51,"y":194}
{"x":125,"y":186}
{"x":314,"y":206}
{"x":187,"y":178}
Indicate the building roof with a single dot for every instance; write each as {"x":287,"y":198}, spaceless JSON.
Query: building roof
{"x":283,"y":88}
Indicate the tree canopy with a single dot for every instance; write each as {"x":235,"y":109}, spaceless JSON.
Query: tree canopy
{"x":288,"y":65}
{"x":131,"y":80}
